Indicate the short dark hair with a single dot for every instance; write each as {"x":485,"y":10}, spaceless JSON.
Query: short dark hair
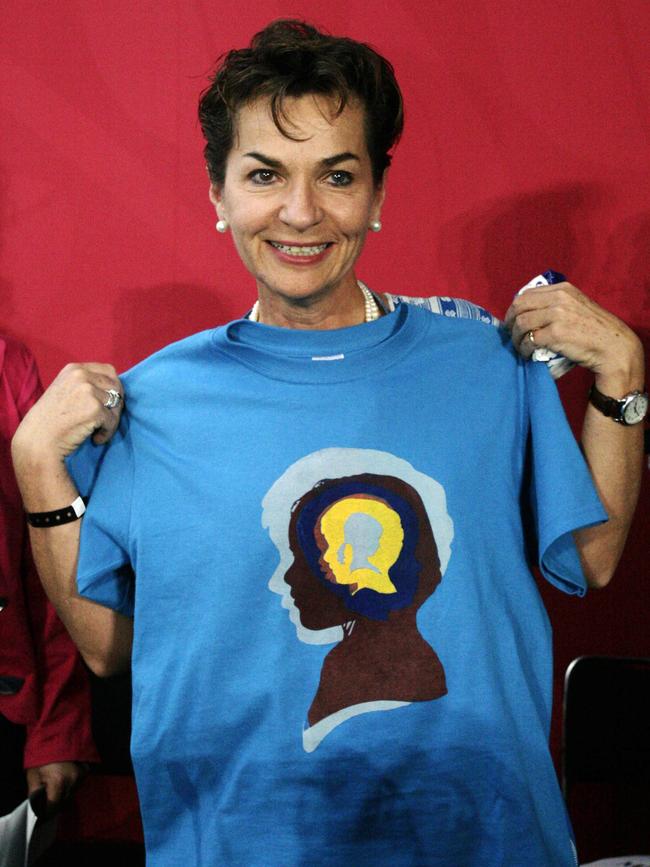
{"x":291,"y":58}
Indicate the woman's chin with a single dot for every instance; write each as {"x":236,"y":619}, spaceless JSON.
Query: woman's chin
{"x":299,"y":289}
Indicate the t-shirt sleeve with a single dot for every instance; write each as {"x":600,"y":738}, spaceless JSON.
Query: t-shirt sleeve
{"x":104,"y":474}
{"x":562,"y":494}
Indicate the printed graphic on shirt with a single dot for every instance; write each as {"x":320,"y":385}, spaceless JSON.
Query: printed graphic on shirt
{"x":363,"y":539}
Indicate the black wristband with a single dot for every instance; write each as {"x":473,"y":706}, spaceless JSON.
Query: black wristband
{"x":59,"y":516}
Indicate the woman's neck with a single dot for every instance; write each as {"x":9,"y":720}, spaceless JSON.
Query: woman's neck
{"x":324,"y":310}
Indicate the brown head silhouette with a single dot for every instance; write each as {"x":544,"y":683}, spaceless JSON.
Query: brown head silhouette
{"x":365,"y":559}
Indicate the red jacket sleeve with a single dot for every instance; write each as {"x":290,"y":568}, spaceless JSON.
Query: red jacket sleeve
{"x":55,"y":706}
{"x":62,"y":730}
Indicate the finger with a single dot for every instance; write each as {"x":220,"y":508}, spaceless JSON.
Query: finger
{"x":526,"y":345}
{"x":528,"y":322}
{"x":109,"y":422}
{"x":541,"y":297}
{"x":537,"y":298}
{"x":84,"y":411}
{"x":34,"y":781}
{"x":538,"y":338}
{"x":56,"y":789}
{"x":101,"y":375}
{"x":89,"y":401}
{"x":94,"y":367}
{"x":76,"y":377}
{"x":111,"y":400}
{"x":103,"y":435}
{"x":107,"y":384}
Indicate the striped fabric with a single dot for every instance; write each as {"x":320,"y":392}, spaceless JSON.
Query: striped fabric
{"x":444,"y":306}
{"x":460,"y":309}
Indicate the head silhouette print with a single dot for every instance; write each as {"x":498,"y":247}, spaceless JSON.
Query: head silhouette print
{"x":364,"y":559}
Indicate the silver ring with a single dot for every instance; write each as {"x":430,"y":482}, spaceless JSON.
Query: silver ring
{"x":531,"y":337}
{"x":114,"y":398}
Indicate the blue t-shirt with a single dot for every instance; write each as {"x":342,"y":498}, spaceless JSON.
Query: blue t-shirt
{"x":340,"y":655}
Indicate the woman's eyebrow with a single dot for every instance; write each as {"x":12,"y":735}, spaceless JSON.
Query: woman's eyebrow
{"x":328,"y":162}
{"x":339,"y":158}
{"x":268,"y":161}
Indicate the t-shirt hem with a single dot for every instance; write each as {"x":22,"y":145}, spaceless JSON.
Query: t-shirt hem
{"x":89,"y":581}
{"x":552,"y":567}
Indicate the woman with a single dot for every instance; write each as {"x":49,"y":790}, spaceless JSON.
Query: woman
{"x":324,"y":387}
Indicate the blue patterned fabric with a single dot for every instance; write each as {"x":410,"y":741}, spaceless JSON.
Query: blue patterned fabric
{"x":454,"y":308}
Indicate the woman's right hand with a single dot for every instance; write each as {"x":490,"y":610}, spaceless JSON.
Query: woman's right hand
{"x":71,"y":410}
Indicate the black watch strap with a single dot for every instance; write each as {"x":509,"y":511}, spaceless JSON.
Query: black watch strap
{"x":609,"y":406}
{"x":618,"y":409}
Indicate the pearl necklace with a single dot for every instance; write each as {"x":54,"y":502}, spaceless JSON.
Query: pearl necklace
{"x":370,"y":306}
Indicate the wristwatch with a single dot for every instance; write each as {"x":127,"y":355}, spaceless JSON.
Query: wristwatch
{"x":629,"y":409}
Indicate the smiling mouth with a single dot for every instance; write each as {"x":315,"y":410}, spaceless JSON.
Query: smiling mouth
{"x":303,"y":250}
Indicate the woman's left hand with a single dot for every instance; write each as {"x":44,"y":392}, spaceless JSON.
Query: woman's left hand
{"x":565,"y":320}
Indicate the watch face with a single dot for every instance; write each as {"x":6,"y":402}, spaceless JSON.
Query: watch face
{"x":635,"y":411}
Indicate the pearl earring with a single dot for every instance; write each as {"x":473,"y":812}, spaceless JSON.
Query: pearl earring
{"x":222,"y":226}
{"x":375,"y":226}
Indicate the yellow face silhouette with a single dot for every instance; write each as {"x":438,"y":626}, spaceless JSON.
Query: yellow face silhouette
{"x":360,"y":538}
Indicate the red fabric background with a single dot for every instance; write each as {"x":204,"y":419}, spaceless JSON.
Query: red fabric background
{"x":526,"y":147}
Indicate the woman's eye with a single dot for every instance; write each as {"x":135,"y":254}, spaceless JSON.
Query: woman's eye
{"x":262,"y":176}
{"x":340,"y":179}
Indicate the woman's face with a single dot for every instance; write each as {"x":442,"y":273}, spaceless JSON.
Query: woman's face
{"x":299,"y":210}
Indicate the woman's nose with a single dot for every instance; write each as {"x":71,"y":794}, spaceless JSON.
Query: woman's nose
{"x":300,"y":208}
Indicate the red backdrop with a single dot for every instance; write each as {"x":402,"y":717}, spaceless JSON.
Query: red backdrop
{"x":526,"y":147}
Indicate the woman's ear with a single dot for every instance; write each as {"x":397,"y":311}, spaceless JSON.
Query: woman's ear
{"x":215,"y":194}
{"x":380,"y":195}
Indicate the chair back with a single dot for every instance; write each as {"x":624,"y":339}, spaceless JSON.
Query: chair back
{"x":606,"y":754}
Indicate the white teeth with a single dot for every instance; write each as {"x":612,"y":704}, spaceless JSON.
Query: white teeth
{"x":299,"y":251}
